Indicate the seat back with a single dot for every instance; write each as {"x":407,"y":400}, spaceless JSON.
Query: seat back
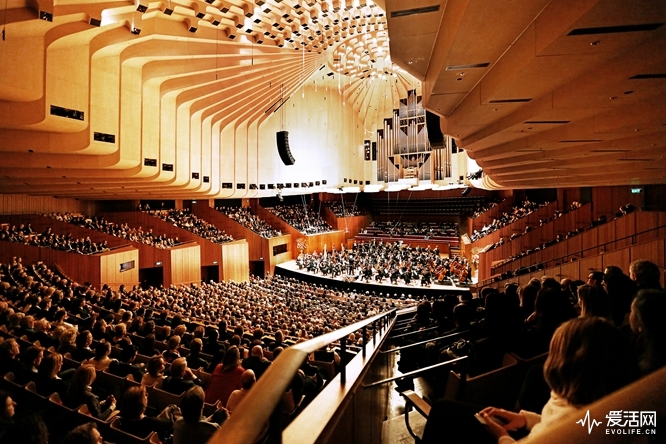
{"x":159,"y":399}
{"x":498,"y":388}
{"x":118,"y":435}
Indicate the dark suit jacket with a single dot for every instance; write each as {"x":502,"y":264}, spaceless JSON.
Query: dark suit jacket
{"x":98,"y":409}
{"x":256,"y":364}
{"x":178,"y":386}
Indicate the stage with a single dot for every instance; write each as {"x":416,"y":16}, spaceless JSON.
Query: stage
{"x":290,"y":269}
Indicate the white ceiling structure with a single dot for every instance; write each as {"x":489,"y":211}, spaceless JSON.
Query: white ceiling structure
{"x":543,"y":93}
{"x":540,"y":93}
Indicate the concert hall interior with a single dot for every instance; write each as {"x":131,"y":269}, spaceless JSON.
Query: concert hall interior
{"x":332,"y":221}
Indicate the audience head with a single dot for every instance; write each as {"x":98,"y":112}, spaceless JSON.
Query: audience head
{"x":156,"y":366}
{"x":9,"y":349}
{"x":462,"y":315}
{"x":84,"y":434}
{"x":7,"y":405}
{"x":276,"y":352}
{"x":134,"y":403}
{"x":51,"y":366}
{"x":585,"y":363}
{"x":102,"y":349}
{"x":28,"y":430}
{"x":174,"y":342}
{"x":552,"y":308}
{"x":595,"y":278}
{"x":645,"y":273}
{"x":84,"y":339}
{"x":83,"y":377}
{"x":248,"y":379}
{"x":178,"y":367}
{"x":33,"y":356}
{"x":231,"y":359}
{"x":646,"y":320}
{"x":191,"y":406}
{"x":257,"y":351}
{"x":195,"y":346}
{"x":594,"y":301}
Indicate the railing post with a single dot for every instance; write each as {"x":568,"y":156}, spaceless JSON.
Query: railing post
{"x":365,"y":335}
{"x":374,"y":329}
{"x":343,"y":352}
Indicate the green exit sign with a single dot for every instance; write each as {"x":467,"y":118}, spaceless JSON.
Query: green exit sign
{"x":636,"y":190}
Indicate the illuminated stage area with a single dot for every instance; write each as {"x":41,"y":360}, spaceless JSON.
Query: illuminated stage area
{"x":290,"y":269}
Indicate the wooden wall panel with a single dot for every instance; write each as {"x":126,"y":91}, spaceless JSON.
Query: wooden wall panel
{"x":273,"y":260}
{"x":608,"y":200}
{"x":618,"y":257}
{"x":110,"y":273}
{"x":184,"y":265}
{"x":590,"y":263}
{"x":78,"y":267}
{"x":25,"y":204}
{"x":570,"y":270}
{"x":259,"y":248}
{"x":654,"y":251}
{"x":236,"y":264}
{"x":625,"y":227}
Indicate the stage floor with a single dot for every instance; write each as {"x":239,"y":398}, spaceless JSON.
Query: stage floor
{"x":290,"y":269}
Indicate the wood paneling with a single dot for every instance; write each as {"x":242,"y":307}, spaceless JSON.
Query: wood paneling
{"x":184,"y":266}
{"x":235,"y":262}
{"x":110,"y":272}
{"x":618,"y":233}
{"x":94,"y":269}
{"x":259,"y":248}
{"x":315,"y":242}
{"x":25,"y":204}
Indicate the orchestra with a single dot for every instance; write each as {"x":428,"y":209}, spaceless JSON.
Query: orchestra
{"x":392,"y":261}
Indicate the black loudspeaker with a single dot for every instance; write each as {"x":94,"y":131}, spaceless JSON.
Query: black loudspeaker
{"x":435,"y":135}
{"x":283,"y":147}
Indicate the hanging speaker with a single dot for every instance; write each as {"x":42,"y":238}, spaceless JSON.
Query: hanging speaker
{"x":435,"y":135}
{"x":283,"y":147}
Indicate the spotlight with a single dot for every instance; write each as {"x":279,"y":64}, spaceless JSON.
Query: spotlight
{"x":135,"y":31}
{"x":142,"y":7}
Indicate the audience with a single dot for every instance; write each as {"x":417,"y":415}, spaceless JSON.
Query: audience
{"x":48,"y":239}
{"x":340,"y":209}
{"x":302,"y":218}
{"x":186,"y":220}
{"x":584,"y":364}
{"x":117,"y":230}
{"x":282,"y":307}
{"x":525,"y":208}
{"x":244,"y":217}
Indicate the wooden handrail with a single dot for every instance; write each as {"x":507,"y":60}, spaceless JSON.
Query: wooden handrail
{"x":415,"y":373}
{"x":393,"y":350}
{"x":576,"y":253}
{"x":412,"y":333}
{"x":247,"y":422}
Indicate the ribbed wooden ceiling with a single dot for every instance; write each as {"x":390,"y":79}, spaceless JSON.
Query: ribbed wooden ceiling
{"x":543,"y":93}
{"x":91,"y":91}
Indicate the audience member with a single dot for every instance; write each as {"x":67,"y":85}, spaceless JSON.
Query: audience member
{"x":193,"y":426}
{"x":226,"y":378}
{"x":80,"y":392}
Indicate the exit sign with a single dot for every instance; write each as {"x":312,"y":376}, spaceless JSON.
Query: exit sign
{"x":636,"y":190}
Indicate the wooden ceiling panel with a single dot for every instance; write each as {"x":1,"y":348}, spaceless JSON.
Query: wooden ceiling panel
{"x":560,"y":95}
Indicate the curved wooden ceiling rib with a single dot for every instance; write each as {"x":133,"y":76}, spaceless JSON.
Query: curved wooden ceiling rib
{"x":192,"y":80}
{"x":544,"y":93}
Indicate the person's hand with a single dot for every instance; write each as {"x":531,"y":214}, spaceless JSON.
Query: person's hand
{"x":111,"y":399}
{"x":497,"y":430}
{"x":514,"y":421}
